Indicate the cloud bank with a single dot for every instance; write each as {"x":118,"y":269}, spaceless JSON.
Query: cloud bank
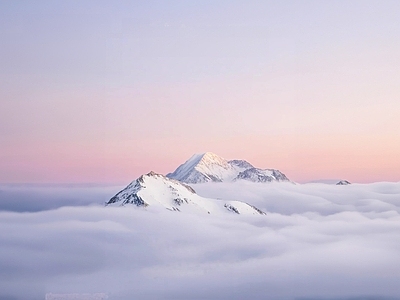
{"x":34,"y":198}
{"x":317,"y":242}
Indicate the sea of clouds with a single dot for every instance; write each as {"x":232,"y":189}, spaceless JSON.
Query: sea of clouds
{"x":317,"y":241}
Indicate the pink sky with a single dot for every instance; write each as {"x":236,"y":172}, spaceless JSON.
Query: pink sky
{"x":104,"y":96}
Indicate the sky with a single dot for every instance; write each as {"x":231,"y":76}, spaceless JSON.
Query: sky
{"x":317,"y":241}
{"x":102,"y":92}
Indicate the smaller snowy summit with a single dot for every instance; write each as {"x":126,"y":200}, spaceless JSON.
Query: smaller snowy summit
{"x":154,"y":189}
{"x":343,"y":182}
{"x":209,"y":167}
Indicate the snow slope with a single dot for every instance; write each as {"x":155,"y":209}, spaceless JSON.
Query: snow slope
{"x":209,"y":167}
{"x":156,"y":189}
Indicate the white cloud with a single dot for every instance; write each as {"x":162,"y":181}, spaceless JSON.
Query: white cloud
{"x":317,"y":241}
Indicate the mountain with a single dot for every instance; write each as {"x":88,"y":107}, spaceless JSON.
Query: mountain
{"x":209,"y":167}
{"x":156,"y":189}
{"x":206,"y":167}
{"x":343,"y":182}
{"x":259,"y":175}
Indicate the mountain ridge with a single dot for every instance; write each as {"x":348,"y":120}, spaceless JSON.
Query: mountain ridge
{"x":209,"y":167}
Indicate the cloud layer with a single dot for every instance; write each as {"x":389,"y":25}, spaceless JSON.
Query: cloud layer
{"x":317,"y":241}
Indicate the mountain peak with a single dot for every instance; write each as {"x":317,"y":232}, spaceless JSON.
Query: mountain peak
{"x":204,"y":167}
{"x":205,"y":158}
{"x":209,"y":156}
{"x":208,"y":167}
{"x":343,"y":182}
{"x":208,"y":159}
{"x":152,"y":173}
{"x":151,"y":188}
{"x":143,"y":177}
{"x":154,"y":189}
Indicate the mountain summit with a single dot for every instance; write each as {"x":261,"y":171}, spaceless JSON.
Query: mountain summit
{"x":154,"y":189}
{"x":209,"y":167}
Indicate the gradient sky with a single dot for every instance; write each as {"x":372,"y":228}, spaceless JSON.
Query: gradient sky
{"x":103,"y":91}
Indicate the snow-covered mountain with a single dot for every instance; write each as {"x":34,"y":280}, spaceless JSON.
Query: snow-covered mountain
{"x":259,"y":175}
{"x":208,"y":167}
{"x":343,"y":182}
{"x":156,"y":189}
